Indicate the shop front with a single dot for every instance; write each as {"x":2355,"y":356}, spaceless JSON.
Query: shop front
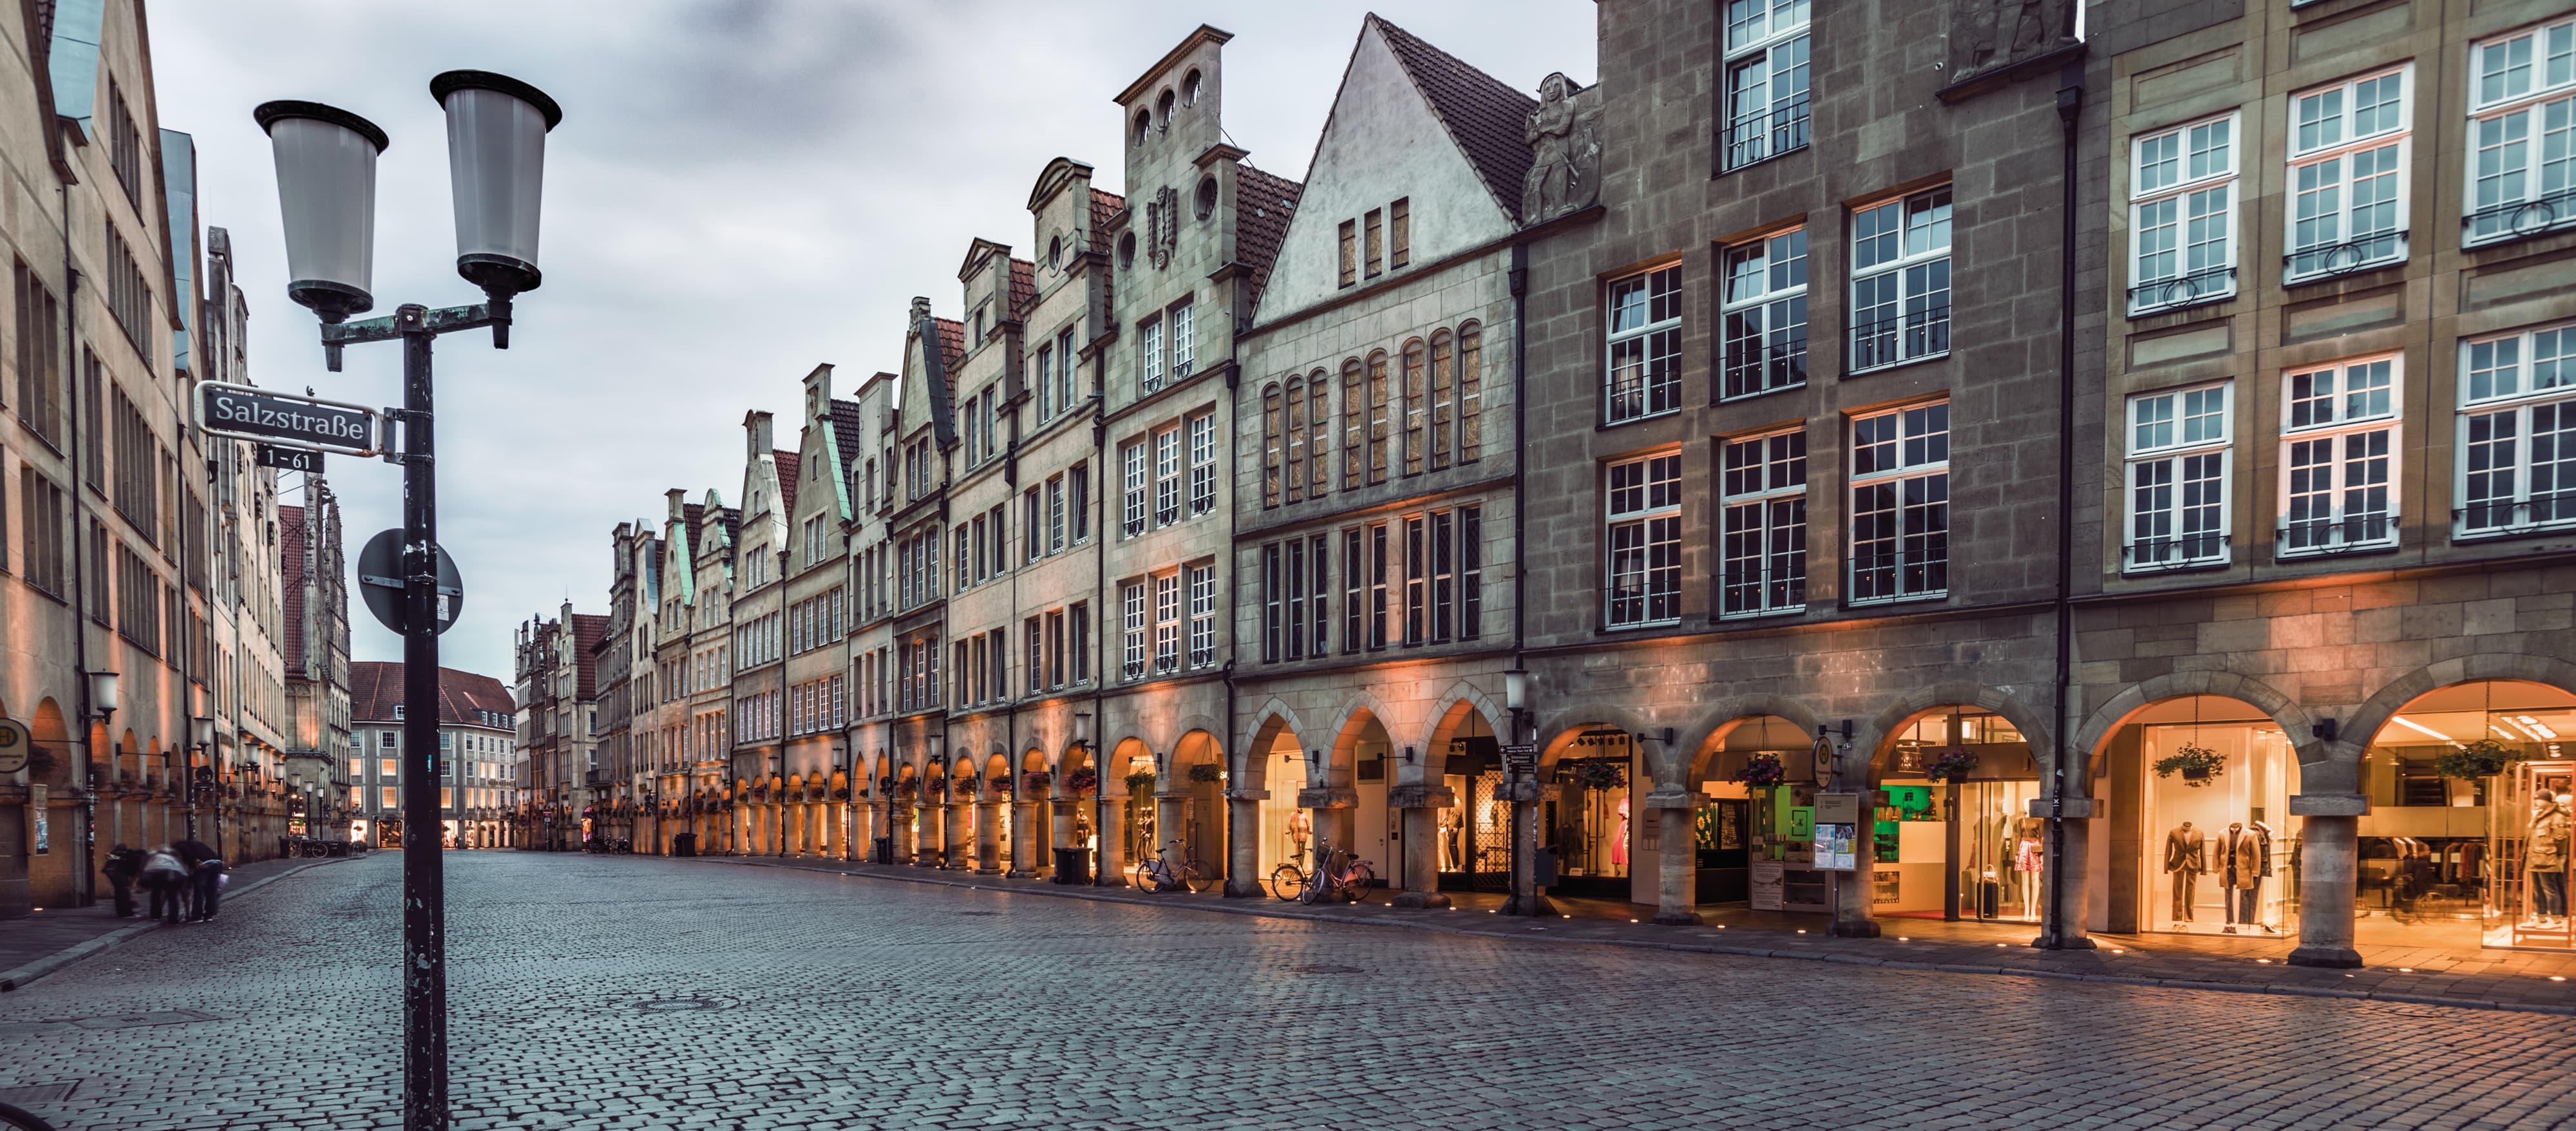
{"x":1474,"y":836}
{"x":1590,"y":817}
{"x":1953,"y":834}
{"x":2466,"y":841}
{"x":2201,"y":840}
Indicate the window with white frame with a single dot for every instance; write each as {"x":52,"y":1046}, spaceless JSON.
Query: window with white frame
{"x":1167,"y":622}
{"x":1167,"y":476}
{"x":1765,"y":315}
{"x":2339,"y":457}
{"x":1766,"y":80}
{"x":2179,"y":458}
{"x":1645,"y":345}
{"x":1201,"y":581}
{"x":2517,"y":463}
{"x":1184,"y":344}
{"x":1900,"y":268}
{"x":1762,"y":546}
{"x":2182,"y":215}
{"x":1202,"y":438}
{"x":2348,"y":147}
{"x":1900,"y":519}
{"x":1149,"y":351}
{"x":1131,"y":459}
{"x":2522,"y":134}
{"x":1643,"y":517}
{"x":1067,"y":385}
{"x":1131,"y":604}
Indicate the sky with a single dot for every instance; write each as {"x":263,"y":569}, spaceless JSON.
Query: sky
{"x":740,"y":190}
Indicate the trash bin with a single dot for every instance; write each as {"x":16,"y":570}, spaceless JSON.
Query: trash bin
{"x":1073,"y":866}
{"x":1545,"y":867}
{"x":684,"y":844}
{"x":885,"y":850}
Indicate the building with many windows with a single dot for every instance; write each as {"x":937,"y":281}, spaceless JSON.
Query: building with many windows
{"x":558,"y":729}
{"x":476,"y":740}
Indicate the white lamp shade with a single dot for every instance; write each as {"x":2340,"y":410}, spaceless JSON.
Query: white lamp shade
{"x":326,"y":190}
{"x":102,"y":692}
{"x":496,"y":167}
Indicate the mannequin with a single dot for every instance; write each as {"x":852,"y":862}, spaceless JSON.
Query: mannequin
{"x":2026,"y":862}
{"x":1619,"y":841}
{"x":2240,"y":869}
{"x":2184,"y":862}
{"x":2545,"y":858}
{"x":2253,"y":902}
{"x":1301,"y":828}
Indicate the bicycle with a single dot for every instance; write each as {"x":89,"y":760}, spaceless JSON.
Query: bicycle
{"x":17,"y":1118}
{"x":1347,"y":885}
{"x":1288,"y":881}
{"x":1154,"y":874}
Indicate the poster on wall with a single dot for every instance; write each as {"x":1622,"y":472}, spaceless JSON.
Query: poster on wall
{"x":1837,"y":832}
{"x":1765,"y":882}
{"x":44,"y":827}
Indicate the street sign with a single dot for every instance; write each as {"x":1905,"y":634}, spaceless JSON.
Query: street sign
{"x":1520,"y":757}
{"x":250,"y":413}
{"x":290,"y":459}
{"x":380,"y":581}
{"x":13,"y":746}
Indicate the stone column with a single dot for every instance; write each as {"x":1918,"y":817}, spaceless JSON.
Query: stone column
{"x":1526,"y":898}
{"x":1421,"y":805}
{"x":1110,"y":871}
{"x":2068,"y":890}
{"x":1677,"y":858}
{"x":1170,"y":809}
{"x":1024,"y":836}
{"x":955,"y":834}
{"x":1243,"y":843}
{"x":2329,"y":858}
{"x":1059,"y":831}
{"x":988,"y":840}
{"x":899,"y":827}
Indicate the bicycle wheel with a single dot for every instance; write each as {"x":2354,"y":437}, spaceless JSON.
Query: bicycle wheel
{"x":1287,"y":883}
{"x":1147,"y":878}
{"x":15,"y":1118}
{"x":1362,"y":883}
{"x":1197,"y":876}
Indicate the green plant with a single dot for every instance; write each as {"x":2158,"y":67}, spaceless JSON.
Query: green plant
{"x":1142,"y":781}
{"x":2198,"y":765}
{"x":1598,"y":775}
{"x":1082,"y":781}
{"x":1762,"y":770}
{"x":1207,"y":772}
{"x":1952,"y":766}
{"x":2484,"y":758}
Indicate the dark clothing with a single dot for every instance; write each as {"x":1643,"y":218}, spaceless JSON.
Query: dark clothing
{"x":169,"y":895}
{"x":210,"y":888}
{"x":193,"y":852}
{"x":123,"y":865}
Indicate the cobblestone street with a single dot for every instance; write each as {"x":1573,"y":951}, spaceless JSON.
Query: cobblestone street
{"x":636,"y":992}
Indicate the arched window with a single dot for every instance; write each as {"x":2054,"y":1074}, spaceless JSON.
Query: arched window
{"x":1354,"y":426}
{"x":1319,"y":427}
{"x":1296,"y":421}
{"x":1270,"y":443}
{"x":1413,"y":360}
{"x":1471,"y":397}
{"x":1377,"y":408}
{"x":1163,"y":112}
{"x":1444,"y":385}
{"x":1144,"y":125}
{"x":1190,"y":88}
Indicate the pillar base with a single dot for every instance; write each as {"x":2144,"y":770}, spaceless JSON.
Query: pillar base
{"x":2078,"y":942}
{"x":1677,"y":918}
{"x":1243,"y":890}
{"x":2326,"y":957}
{"x":1110,"y":880}
{"x":1018,"y":874}
{"x":1864,"y":929}
{"x":988,"y":871}
{"x":1422,"y":900}
{"x":1535,"y":905}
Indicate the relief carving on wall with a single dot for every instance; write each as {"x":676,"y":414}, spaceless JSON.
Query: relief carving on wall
{"x":1162,"y":226}
{"x":1564,"y":135}
{"x":1986,"y":34}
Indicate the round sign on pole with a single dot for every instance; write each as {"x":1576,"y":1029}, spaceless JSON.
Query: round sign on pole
{"x":1824,"y":752}
{"x":13,"y":746}
{"x":380,"y":582}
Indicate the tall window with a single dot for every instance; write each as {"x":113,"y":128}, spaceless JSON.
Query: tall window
{"x":1399,"y":233}
{"x":41,"y":506}
{"x":1374,"y":242}
{"x":1201,"y":583}
{"x":2517,"y":466}
{"x":1149,"y":351}
{"x":1274,"y":443}
{"x":2182,"y":215}
{"x":2179,"y":455}
{"x":1079,"y":643}
{"x":1350,"y":253}
{"x":1444,"y":390}
{"x":1055,"y":514}
{"x":2522,"y":134}
{"x":1644,"y":541}
{"x":1413,"y":360}
{"x":1645,"y":345}
{"x":1077,"y":491}
{"x":1377,"y":610}
{"x":1274,"y":604}
{"x":1294,"y":483}
{"x":1354,"y":427}
{"x":1184,"y":342}
{"x":1318,"y":623}
{"x":1766,"y":314}
{"x":1046,"y":383}
{"x":1167,"y":476}
{"x":1131,"y":459}
{"x":1901,"y":280}
{"x":1167,"y":622}
{"x":1763,"y":535}
{"x":1319,"y":427}
{"x":1067,"y":384}
{"x":1766,"y":80}
{"x":2339,"y":457}
{"x":40,"y":360}
{"x":1471,"y":572}
{"x":1417,"y":580}
{"x":1377,"y":425}
{"x":1901,"y":503}
{"x":2348,"y":146}
{"x":1471,"y":393}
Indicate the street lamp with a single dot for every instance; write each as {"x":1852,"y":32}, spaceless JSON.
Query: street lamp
{"x":102,"y":703}
{"x":326,"y":159}
{"x":201,"y":740}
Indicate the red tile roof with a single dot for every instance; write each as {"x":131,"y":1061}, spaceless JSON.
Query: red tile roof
{"x":690,"y":515}
{"x":1483,"y":114}
{"x":787,"y":462}
{"x":1264,"y":202}
{"x":1024,"y":287}
{"x":848,"y":433}
{"x":952,"y":350}
{"x":1103,"y":206}
{"x":587,"y":628}
{"x":376,"y":688}
{"x":290,"y":554}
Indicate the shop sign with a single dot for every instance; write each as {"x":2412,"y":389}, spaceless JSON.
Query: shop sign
{"x":13,"y":746}
{"x":1768,"y":880}
{"x":1837,"y":832}
{"x":1520,"y":758}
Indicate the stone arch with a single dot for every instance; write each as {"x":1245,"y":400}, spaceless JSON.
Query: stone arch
{"x":2355,"y":735}
{"x":1113,"y":773}
{"x":2105,"y":720}
{"x":1561,"y":727}
{"x":1706,"y":738}
{"x":48,"y":734}
{"x":1274,"y":718}
{"x":1880,"y":735}
{"x":1183,"y":727}
{"x":1456,"y":702}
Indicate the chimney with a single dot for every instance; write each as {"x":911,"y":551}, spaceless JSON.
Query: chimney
{"x":756,"y":434}
{"x":920,"y":312}
{"x":677,"y":498}
{"x":818,"y":392}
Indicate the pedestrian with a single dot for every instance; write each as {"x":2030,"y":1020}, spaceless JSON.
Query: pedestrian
{"x":205,"y":871}
{"x":123,"y":866}
{"x":167,"y":879}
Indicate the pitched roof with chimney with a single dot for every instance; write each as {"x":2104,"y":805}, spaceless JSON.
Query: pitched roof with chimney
{"x":587,"y":629}
{"x":1483,"y":114}
{"x":1264,"y":203}
{"x":376,"y":688}
{"x":290,"y":559}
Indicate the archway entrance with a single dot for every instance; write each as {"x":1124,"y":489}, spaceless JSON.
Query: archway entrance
{"x":2201,"y":841}
{"x":1953,"y":834}
{"x":1199,"y":764}
{"x":1742,"y":829}
{"x":2467,"y":839}
{"x":1587,"y":815}
{"x":1286,"y":831}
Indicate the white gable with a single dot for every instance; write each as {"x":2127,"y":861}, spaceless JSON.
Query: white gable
{"x":1382,"y":142}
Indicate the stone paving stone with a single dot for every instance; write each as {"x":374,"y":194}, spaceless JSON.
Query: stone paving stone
{"x":853,"y":1003}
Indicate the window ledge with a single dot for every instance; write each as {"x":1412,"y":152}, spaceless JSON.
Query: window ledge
{"x":1740,"y":398}
{"x":2366,"y":548}
{"x":1906,"y":599}
{"x":2509,"y":533}
{"x":2328,"y":275}
{"x":1926,"y":359}
{"x":2137,"y":311}
{"x":1606,"y":425}
{"x":2195,"y":565}
{"x":1669,"y":622}
{"x":1758,"y":614}
{"x":1766,"y":159}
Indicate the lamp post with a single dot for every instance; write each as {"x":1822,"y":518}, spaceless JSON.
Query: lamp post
{"x":201,"y":740}
{"x":102,"y":703}
{"x":326,"y":180}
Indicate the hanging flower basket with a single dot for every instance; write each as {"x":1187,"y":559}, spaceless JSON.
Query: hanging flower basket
{"x":2484,"y":758}
{"x":1954,"y":765}
{"x":1083,"y":781}
{"x":1207,"y":772}
{"x":999,"y":784}
{"x":1762,"y":771}
{"x":1142,"y":781}
{"x":841,"y":793}
{"x":2198,"y":765}
{"x":1035,"y":780}
{"x":1598,"y":775}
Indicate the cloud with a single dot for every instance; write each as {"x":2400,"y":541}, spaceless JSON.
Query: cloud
{"x":740,"y":189}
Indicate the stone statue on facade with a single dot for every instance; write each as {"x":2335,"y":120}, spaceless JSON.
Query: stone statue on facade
{"x":1564,"y":135}
{"x":1987,"y":34}
{"x":1162,"y":226}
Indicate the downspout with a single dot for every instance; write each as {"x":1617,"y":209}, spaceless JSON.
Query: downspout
{"x":1522,"y":811}
{"x":1100,"y":596}
{"x":88,"y":886}
{"x":2070,"y":108}
{"x":1233,"y":532}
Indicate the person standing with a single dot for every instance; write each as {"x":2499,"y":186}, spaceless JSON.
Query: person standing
{"x":205,"y":877}
{"x":167,"y":879}
{"x":123,"y":866}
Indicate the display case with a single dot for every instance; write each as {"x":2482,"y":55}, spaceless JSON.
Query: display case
{"x":2527,"y":856}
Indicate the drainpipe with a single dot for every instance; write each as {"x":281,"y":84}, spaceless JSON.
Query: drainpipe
{"x":1100,"y":597}
{"x":1525,"y":898}
{"x":2053,"y":932}
{"x":88,"y":886}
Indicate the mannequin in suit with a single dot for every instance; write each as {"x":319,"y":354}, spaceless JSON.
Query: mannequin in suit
{"x":2185,"y":860}
{"x":2240,"y":869}
{"x":2545,"y":859}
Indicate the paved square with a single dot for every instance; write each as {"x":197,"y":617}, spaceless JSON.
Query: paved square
{"x":632,"y":992}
